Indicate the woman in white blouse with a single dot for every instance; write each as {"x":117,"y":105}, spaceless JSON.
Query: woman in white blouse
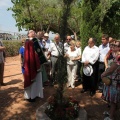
{"x":72,"y":57}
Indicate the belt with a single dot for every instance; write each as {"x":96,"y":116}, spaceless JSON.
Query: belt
{"x":101,"y":62}
{"x":54,"y":56}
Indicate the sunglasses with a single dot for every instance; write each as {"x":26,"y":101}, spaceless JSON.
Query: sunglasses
{"x":113,"y":45}
{"x":68,"y":39}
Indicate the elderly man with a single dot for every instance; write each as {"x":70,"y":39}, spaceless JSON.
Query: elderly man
{"x":55,"y":50}
{"x":46,"y":41}
{"x":40,"y":36}
{"x":33,"y":58}
{"x":90,"y":57}
{"x":2,"y":48}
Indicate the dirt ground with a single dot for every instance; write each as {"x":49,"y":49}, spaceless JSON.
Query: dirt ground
{"x":14,"y":107}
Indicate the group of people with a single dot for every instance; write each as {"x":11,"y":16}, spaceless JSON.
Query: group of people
{"x":39,"y":55}
{"x":103,"y":62}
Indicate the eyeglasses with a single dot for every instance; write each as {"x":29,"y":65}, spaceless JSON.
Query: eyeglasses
{"x":68,"y":39}
{"x":23,"y":42}
{"x":113,"y":45}
{"x":103,"y":39}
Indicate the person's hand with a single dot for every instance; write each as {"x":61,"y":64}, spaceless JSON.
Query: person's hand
{"x":48,"y":57}
{"x":21,"y":64}
{"x":102,"y":75}
{"x":86,"y":63}
{"x":106,"y":68}
{"x":73,"y":59}
{"x":66,"y":55}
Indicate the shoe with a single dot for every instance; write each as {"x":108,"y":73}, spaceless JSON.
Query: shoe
{"x":92,"y":94}
{"x":83,"y":90}
{"x":46,"y":83}
{"x":32,"y":100}
{"x":3,"y":84}
{"x":107,"y":118}
{"x":106,"y":114}
{"x":72,"y":86}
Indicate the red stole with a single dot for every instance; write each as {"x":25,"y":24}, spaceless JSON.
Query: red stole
{"x":31,"y":64}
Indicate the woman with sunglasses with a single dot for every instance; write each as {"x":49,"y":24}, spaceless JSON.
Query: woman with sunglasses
{"x":110,"y":55}
{"x":112,"y":92}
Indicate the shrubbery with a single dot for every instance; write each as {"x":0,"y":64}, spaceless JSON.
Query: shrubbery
{"x":12,"y":47}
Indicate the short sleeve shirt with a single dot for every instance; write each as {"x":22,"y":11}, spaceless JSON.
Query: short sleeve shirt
{"x":72,"y":55}
{"x":21,"y":51}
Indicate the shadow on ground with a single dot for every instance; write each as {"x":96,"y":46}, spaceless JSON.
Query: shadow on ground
{"x":14,"y":107}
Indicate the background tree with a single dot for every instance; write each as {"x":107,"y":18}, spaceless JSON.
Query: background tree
{"x":93,"y":15}
{"x":111,"y":21}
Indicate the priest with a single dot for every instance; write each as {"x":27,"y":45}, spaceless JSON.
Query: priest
{"x":33,"y":58}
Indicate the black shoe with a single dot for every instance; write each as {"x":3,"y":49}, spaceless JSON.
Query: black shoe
{"x":92,"y":94}
{"x":51,"y":84}
{"x":32,"y":100}
{"x":27,"y":100}
{"x":83,"y":90}
{"x":2,"y":84}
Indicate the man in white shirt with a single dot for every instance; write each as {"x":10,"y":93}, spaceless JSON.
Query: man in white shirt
{"x":46,"y":41}
{"x":55,"y":50}
{"x":66,"y":44}
{"x":47,"y":65}
{"x":2,"y":48}
{"x":103,"y":49}
{"x":90,"y":57}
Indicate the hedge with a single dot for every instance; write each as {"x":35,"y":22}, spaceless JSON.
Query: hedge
{"x":12,"y":47}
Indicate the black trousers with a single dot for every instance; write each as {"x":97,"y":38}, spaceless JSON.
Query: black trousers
{"x":79,"y":64}
{"x":90,"y":82}
{"x":101,"y":69}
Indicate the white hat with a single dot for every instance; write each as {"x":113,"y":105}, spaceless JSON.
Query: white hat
{"x":88,"y":70}
{"x":46,"y":34}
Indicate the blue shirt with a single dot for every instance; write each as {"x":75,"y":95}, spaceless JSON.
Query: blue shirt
{"x":21,"y":51}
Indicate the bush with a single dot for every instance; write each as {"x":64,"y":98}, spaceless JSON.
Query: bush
{"x":12,"y":47}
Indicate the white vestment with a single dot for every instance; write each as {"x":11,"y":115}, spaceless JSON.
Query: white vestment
{"x":36,"y":88}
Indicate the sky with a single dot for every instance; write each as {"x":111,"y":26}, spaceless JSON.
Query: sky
{"x":7,"y":22}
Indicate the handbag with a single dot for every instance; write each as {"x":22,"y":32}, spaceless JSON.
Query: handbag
{"x":107,"y":80}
